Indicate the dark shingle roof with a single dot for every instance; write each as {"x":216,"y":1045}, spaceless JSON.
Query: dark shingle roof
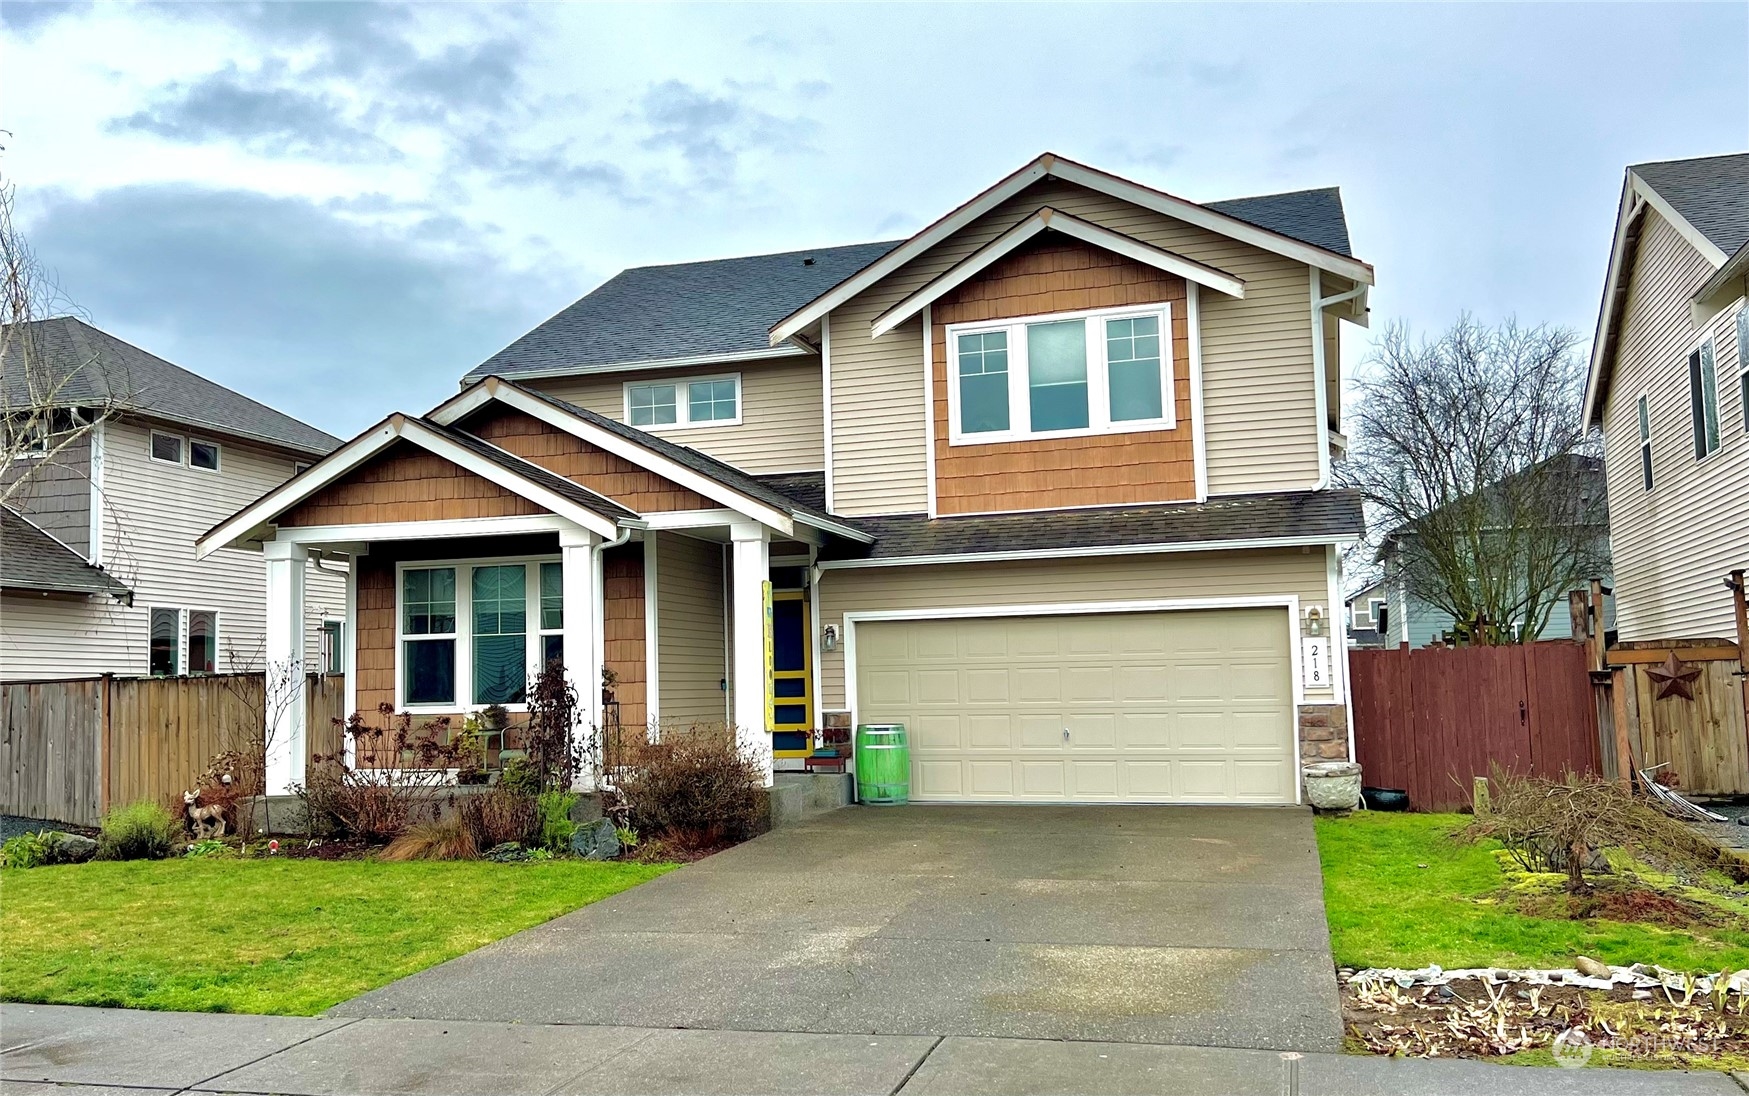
{"x":100,"y":369}
{"x":807,"y":488}
{"x":728,"y":306}
{"x":1248,"y":517}
{"x":702,"y":463}
{"x":686,"y":310}
{"x":31,"y":559}
{"x":1310,"y":216}
{"x":1710,"y":192}
{"x":534,"y":473}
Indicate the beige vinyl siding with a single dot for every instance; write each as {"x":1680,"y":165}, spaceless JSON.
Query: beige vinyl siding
{"x":1173,"y":575}
{"x":1673,"y":546}
{"x":152,"y":512}
{"x":1259,"y":398}
{"x":691,"y":651}
{"x":781,"y":411}
{"x":55,"y":492}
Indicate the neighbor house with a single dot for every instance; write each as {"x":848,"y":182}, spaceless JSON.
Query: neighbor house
{"x":1390,"y":611}
{"x":133,"y":460}
{"x":1669,"y":386}
{"x":1047,"y":482}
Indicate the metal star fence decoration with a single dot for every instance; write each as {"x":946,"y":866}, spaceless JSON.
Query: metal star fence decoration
{"x":1672,"y":679}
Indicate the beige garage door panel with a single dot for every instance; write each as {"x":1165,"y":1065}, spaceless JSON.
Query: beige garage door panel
{"x":1194,"y":706}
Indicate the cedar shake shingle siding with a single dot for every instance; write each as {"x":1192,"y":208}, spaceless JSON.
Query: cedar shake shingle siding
{"x":406,"y":483}
{"x":1103,"y":469}
{"x":580,"y":462}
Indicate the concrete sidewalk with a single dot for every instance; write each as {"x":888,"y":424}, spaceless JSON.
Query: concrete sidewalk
{"x":48,"y":1049}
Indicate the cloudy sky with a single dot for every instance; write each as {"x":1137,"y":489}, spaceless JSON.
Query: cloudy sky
{"x":340,"y":209}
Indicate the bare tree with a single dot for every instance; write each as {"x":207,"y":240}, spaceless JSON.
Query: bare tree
{"x":265,"y":690}
{"x":52,"y":392}
{"x":1484,"y":494}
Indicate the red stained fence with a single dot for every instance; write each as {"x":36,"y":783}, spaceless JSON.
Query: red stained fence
{"x":1429,"y":720}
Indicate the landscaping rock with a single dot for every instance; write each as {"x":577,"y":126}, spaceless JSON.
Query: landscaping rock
{"x":1591,"y":968}
{"x":71,"y":848}
{"x":596,"y":840}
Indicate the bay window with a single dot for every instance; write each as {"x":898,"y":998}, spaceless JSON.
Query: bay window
{"x":1095,"y":372}
{"x":476,"y":633}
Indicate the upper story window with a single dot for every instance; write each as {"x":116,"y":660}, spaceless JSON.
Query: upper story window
{"x":182,"y":641}
{"x":174,"y":449}
{"x":1743,"y":360}
{"x":1645,"y":444}
{"x":1061,"y":375}
{"x":698,"y":401}
{"x":1703,"y":397}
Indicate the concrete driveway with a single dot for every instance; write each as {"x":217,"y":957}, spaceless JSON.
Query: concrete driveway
{"x":1182,"y":925}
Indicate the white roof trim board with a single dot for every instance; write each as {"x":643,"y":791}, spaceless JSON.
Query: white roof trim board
{"x":1052,"y":165}
{"x":1636,"y":194}
{"x":1056,"y":221}
{"x":497,"y":389}
{"x":253,"y":521}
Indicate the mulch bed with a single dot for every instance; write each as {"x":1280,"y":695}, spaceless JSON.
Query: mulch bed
{"x":1471,"y":1019}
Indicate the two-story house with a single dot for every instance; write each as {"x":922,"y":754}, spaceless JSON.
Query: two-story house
{"x":98,"y":573}
{"x":1047,"y":482}
{"x":1669,"y":386}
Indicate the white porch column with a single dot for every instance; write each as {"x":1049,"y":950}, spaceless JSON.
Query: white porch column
{"x":283,"y":674}
{"x":752,"y":568}
{"x":580,"y":568}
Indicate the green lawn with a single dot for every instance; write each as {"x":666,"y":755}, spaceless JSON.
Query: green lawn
{"x":279,"y":936}
{"x":1399,"y":892}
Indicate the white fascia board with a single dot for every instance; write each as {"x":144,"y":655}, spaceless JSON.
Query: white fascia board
{"x":1626,"y":213}
{"x":761,"y":354}
{"x":506,"y":392}
{"x":1696,"y":239}
{"x":1052,"y":165}
{"x":1108,"y":550}
{"x":810,"y":314}
{"x":259,"y":514}
{"x":1057,"y":221}
{"x":1203,"y":217}
{"x":331,"y":535}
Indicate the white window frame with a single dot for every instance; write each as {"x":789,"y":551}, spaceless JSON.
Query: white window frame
{"x":152,"y":447}
{"x":683,"y":402}
{"x":541,"y":631}
{"x":1707,"y":349}
{"x":333,"y":653}
{"x":218,"y":454}
{"x":1740,"y":324}
{"x":35,"y":445}
{"x":1099,"y":419}
{"x":463,"y":637}
{"x":1643,"y":427}
{"x":176,"y":650}
{"x":218,"y":624}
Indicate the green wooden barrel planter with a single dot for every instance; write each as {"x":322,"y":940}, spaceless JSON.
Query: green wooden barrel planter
{"x":883,"y":764}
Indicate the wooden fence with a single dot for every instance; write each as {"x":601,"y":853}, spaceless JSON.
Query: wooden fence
{"x":1428,"y":720}
{"x":1698,"y":741}
{"x":68,"y":749}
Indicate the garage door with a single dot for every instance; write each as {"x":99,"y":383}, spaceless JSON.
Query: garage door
{"x":1191,"y":706}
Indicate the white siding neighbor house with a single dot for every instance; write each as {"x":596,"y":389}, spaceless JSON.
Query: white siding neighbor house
{"x":1669,"y":386}
{"x":98,"y":572}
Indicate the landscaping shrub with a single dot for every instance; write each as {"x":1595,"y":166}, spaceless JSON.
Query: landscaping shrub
{"x":399,"y":776}
{"x":695,"y":789}
{"x":139,"y":831}
{"x":520,"y":776}
{"x":448,"y":839}
{"x":554,"y":749}
{"x":556,"y":827}
{"x":1548,"y":824}
{"x":207,"y":849}
{"x":45,"y":847}
{"x":502,"y":817}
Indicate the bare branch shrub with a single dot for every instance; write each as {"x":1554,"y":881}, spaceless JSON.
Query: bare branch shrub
{"x":698,"y":786}
{"x":555,"y":746}
{"x":1581,"y":814}
{"x":1483,"y":491}
{"x":400,"y":775}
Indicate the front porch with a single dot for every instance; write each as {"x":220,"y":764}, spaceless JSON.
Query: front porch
{"x":469,"y":540}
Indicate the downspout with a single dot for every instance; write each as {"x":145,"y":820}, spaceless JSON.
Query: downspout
{"x":1321,"y":369}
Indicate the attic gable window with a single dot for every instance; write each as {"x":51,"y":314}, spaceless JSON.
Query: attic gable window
{"x":696,"y":401}
{"x":1063,"y":375}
